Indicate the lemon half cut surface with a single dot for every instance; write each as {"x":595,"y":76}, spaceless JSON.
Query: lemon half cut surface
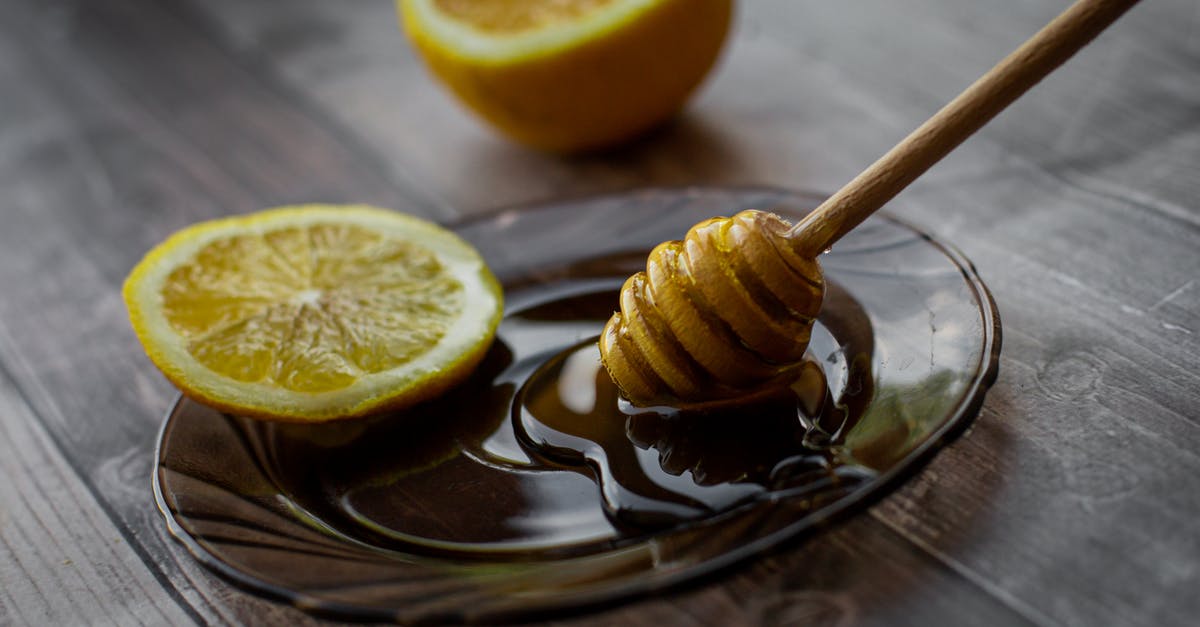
{"x":569,"y":75}
{"x":315,"y":312}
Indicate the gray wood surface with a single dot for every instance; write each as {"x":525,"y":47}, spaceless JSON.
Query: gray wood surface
{"x":1073,"y":500}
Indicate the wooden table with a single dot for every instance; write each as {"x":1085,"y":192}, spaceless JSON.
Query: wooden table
{"x":1074,"y":499}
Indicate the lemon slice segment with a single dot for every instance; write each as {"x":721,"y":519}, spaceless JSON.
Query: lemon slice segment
{"x":315,"y":312}
{"x":569,"y":75}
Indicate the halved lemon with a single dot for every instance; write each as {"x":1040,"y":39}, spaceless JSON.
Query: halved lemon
{"x":569,"y":75}
{"x":315,"y":312}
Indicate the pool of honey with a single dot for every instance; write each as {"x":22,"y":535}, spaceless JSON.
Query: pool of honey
{"x":537,"y":456}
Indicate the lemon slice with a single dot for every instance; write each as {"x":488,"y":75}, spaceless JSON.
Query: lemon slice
{"x":314,"y":313}
{"x":569,"y":75}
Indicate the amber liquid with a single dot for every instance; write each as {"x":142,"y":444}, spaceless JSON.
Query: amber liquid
{"x":660,"y":467}
{"x":537,"y":456}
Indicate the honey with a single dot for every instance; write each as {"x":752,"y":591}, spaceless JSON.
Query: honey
{"x":663,"y":466}
{"x":725,"y":311}
{"x":537,"y":456}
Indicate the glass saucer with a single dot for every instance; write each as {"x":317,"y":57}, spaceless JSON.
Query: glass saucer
{"x":443,"y":513}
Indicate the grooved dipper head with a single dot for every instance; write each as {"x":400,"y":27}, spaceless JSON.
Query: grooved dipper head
{"x":725,"y":312}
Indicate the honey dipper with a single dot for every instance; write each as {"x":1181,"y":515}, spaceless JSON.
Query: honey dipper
{"x":728,"y":310}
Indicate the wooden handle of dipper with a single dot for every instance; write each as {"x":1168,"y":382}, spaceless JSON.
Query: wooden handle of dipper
{"x":958,"y":120}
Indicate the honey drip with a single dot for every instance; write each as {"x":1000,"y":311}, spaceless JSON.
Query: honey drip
{"x":662,"y":466}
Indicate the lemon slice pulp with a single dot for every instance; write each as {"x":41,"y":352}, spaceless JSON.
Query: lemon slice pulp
{"x":314,"y":313}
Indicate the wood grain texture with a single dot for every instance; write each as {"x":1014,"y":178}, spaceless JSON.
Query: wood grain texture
{"x":1072,"y":501}
{"x":62,"y":558}
{"x":119,"y":149}
{"x":955,"y":122}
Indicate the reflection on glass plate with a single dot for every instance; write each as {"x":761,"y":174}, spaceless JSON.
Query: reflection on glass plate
{"x":530,"y":488}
